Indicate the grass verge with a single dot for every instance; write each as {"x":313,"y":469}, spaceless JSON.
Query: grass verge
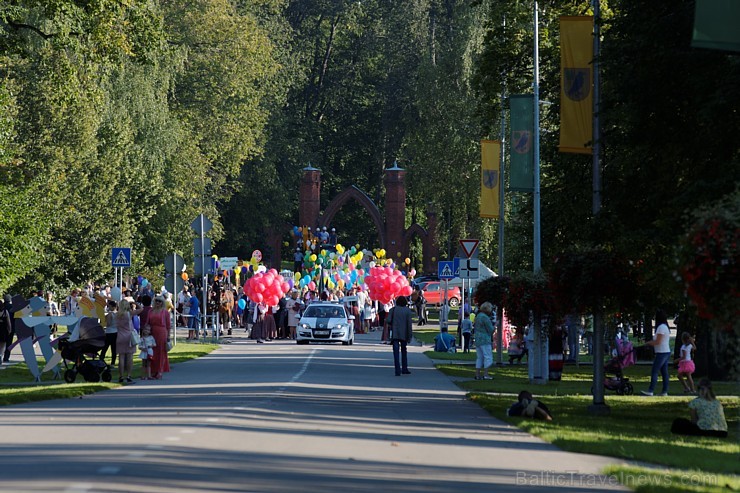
{"x":645,"y":480}
{"x":637,"y":429}
{"x":575,"y":380}
{"x":17,"y":384}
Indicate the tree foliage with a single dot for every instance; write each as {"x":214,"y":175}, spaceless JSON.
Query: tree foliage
{"x":121,"y":121}
{"x":130,"y":119}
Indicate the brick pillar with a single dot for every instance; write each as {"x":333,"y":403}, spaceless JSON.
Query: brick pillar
{"x":309,"y":198}
{"x":274,"y":240}
{"x":431,"y":249}
{"x":395,"y":211}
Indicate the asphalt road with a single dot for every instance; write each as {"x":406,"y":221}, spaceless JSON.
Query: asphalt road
{"x":278,"y":418}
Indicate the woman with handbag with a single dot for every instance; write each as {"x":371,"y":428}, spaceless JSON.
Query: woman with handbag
{"x":126,"y":342}
{"x":159,"y":321}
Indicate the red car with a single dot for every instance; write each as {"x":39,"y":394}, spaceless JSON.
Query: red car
{"x":434,"y":293}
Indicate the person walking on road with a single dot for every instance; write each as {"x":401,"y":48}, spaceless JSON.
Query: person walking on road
{"x":483,"y":341}
{"x":401,"y":325}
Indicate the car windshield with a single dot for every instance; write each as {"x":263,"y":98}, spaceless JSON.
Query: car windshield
{"x":324,"y":312}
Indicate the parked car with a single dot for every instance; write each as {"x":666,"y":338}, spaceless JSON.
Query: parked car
{"x":434,"y":293}
{"x":421,"y":281}
{"x":325,"y":322}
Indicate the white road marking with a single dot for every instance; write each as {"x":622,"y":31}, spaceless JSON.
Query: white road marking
{"x":79,"y":488}
{"x":172,"y":439}
{"x":304,"y":368}
{"x":187,"y":431}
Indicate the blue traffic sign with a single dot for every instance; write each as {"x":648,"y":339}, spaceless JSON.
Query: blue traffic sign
{"x":120,"y":257}
{"x":456,"y":266}
{"x":446,"y":269}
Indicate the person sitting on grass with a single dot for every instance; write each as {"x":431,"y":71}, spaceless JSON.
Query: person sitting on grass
{"x":444,"y":342}
{"x":529,"y":407}
{"x":707,"y":415}
{"x":516,"y":349}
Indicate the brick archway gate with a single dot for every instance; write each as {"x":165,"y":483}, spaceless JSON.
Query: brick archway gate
{"x":393,"y":235}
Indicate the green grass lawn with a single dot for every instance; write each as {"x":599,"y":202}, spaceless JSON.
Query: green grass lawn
{"x":638,"y":427}
{"x":576,"y":380}
{"x":17,"y":384}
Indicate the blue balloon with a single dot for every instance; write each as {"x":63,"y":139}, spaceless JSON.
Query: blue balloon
{"x":242,"y":303}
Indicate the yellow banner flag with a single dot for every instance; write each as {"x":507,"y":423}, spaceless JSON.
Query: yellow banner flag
{"x":576,"y":83}
{"x":489,"y":178}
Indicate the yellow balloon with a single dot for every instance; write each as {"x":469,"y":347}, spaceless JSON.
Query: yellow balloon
{"x":398,"y":254}
{"x":297,"y":276}
{"x":357,"y":246}
{"x":434,"y":259}
{"x":313,"y":257}
{"x":407,"y":261}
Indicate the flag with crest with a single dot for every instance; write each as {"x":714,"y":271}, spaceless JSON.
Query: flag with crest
{"x":576,"y":83}
{"x":490,"y":151}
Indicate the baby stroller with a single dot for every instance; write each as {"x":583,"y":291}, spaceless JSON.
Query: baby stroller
{"x":83,"y":354}
{"x":624,"y":357}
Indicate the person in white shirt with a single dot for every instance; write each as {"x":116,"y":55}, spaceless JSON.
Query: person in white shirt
{"x":662,"y":354}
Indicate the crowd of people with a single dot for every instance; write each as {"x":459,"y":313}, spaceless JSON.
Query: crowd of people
{"x":140,"y":315}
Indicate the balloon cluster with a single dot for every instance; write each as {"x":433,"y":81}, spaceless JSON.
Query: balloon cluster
{"x":386,"y":284}
{"x":267,"y":287}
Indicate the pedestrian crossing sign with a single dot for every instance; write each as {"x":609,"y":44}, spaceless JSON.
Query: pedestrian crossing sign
{"x":121,"y":257}
{"x":446,"y":269}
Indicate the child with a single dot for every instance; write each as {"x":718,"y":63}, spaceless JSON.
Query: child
{"x":146,"y":345}
{"x":466,"y":327}
{"x":515,"y":350}
{"x":685,"y":364}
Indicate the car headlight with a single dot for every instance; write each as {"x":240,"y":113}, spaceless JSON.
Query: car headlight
{"x":305,"y":326}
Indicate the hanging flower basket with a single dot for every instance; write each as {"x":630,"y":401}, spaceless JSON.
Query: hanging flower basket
{"x":709,"y":263}
{"x":494,"y":290}
{"x":594,"y":279}
{"x":530,"y":294}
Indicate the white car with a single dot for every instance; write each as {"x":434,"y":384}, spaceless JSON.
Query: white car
{"x":325,"y":322}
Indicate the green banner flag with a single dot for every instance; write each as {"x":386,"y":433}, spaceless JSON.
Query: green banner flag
{"x":717,"y":25}
{"x":521,"y":152}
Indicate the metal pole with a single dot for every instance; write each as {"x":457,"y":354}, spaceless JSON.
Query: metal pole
{"x":501,"y":184}
{"x":204,"y":279}
{"x":536,"y":148}
{"x":596,"y":144}
{"x":599,"y":406}
{"x":540,"y":342}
